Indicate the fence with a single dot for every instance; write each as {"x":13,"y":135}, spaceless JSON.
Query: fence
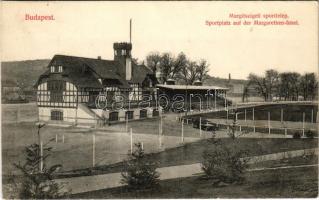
{"x":84,"y":148}
{"x":246,"y":127}
{"x":94,"y":147}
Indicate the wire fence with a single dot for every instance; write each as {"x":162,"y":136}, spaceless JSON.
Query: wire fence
{"x":78,"y":148}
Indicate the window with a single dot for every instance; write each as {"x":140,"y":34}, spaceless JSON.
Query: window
{"x":129,"y":114}
{"x":143,"y":114}
{"x":55,"y":69}
{"x":114,"y":116}
{"x":155,"y":113}
{"x":60,"y":69}
{"x":56,"y":89}
{"x":57,"y":115}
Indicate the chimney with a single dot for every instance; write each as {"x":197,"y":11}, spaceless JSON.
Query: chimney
{"x":198,"y":83}
{"x":99,"y":57}
{"x":170,"y":81}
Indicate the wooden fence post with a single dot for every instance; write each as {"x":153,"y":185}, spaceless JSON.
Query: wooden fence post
{"x":268,"y":122}
{"x":41,"y":155}
{"x":131,"y":140}
{"x":245,"y":115}
{"x":182,"y":130}
{"x":126,"y":123}
{"x":200,"y":127}
{"x":303,"y":124}
{"x":93,"y":151}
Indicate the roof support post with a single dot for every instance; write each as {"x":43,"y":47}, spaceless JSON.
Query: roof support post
{"x":225,"y":96}
{"x":215,"y":98}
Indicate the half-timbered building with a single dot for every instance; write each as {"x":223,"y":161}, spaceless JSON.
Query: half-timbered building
{"x":71,"y":87}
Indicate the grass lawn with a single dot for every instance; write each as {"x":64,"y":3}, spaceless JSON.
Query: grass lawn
{"x":192,"y":152}
{"x":76,"y":152}
{"x":280,"y":183}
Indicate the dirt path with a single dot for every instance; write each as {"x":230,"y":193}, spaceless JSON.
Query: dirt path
{"x":104,"y":181}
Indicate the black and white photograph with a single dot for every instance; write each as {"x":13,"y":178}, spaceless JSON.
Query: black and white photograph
{"x":159,"y":100}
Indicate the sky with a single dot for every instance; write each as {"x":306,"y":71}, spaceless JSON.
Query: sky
{"x":89,"y":29}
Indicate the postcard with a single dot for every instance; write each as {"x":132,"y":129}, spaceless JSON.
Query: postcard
{"x":159,"y":99}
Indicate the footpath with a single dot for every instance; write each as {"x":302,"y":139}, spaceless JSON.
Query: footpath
{"x":82,"y":184}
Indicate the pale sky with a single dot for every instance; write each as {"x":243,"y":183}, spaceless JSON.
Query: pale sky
{"x":88,"y":29}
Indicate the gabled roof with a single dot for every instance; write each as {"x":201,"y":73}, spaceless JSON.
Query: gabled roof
{"x":86,"y":80}
{"x":85,"y":72}
{"x":139,"y":73}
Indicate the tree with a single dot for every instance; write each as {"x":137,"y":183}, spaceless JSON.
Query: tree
{"x":179,"y":63}
{"x":202,"y":70}
{"x":138,"y":173}
{"x":266,"y":85}
{"x":153,"y":60}
{"x":189,"y":73}
{"x":284,"y":85}
{"x":271,"y":82}
{"x":38,"y":183}
{"x":308,"y":86}
{"x":224,"y":164}
{"x":259,"y":83}
{"x":179,"y":68}
{"x":166,"y":66}
{"x":289,"y":85}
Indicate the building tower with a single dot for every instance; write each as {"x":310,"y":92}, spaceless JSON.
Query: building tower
{"x":122,"y":54}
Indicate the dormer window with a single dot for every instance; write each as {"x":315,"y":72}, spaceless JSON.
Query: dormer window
{"x":60,"y":69}
{"x":56,"y":69}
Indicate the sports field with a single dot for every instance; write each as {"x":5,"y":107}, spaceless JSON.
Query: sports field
{"x":75,"y":151}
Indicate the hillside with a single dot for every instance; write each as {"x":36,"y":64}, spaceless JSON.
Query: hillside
{"x":223,"y":82}
{"x":25,"y":72}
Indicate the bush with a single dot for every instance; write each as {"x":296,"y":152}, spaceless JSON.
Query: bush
{"x":296,"y":135}
{"x":222,"y":164}
{"x":310,"y":134}
{"x":138,"y":173}
{"x":36,"y":183}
